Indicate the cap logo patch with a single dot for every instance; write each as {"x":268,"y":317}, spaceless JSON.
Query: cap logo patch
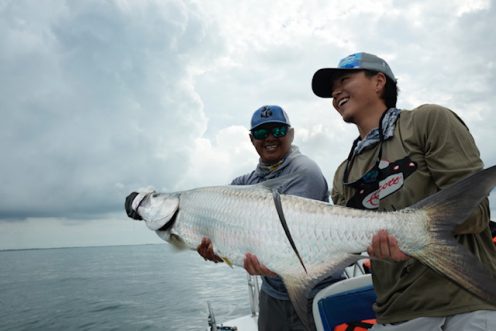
{"x":351,"y":61}
{"x":266,"y":112}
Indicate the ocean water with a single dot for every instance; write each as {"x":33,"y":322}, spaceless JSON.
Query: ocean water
{"x":148,"y":287}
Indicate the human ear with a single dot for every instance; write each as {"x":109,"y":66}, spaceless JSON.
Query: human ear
{"x":380,"y":82}
{"x":291,"y":135}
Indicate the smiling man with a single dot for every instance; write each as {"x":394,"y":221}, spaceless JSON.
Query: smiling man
{"x":399,"y":158}
{"x":272,"y":136}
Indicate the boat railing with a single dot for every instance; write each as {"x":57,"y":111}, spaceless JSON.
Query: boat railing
{"x":356,"y":269}
{"x":253,"y":291}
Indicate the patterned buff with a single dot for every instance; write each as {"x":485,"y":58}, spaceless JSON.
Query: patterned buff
{"x":268,"y":171}
{"x":388,"y":125}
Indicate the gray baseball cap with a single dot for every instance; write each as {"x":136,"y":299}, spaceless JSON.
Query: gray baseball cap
{"x":323,"y":78}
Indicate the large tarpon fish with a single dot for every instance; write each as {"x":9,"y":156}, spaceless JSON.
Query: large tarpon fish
{"x":305,"y":240}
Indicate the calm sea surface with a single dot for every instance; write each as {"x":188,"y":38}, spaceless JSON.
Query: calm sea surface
{"x":147,"y":287}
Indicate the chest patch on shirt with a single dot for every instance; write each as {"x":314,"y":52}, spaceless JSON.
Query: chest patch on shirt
{"x":379,"y":182}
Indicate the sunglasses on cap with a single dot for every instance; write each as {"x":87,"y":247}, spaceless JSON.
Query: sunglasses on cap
{"x":263,"y":133}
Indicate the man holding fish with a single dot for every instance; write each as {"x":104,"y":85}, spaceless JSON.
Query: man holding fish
{"x":399,"y":158}
{"x":412,"y":173}
{"x":272,"y":136}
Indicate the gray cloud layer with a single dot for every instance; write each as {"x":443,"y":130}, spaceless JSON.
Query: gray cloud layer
{"x":102,"y":97}
{"x":96,"y":99}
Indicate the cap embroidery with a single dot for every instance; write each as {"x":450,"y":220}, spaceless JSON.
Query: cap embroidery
{"x":266,"y":112}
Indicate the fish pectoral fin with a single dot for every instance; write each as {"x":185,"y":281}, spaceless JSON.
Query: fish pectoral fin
{"x":227,"y":261}
{"x":177,"y":242}
{"x":300,"y":284}
{"x":277,"y":202}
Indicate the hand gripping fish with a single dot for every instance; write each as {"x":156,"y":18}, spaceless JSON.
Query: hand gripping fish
{"x":317,"y":239}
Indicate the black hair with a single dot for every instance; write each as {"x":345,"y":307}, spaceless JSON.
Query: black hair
{"x":390,"y":91}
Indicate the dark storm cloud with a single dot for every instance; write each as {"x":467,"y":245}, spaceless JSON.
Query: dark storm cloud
{"x":96,"y":100}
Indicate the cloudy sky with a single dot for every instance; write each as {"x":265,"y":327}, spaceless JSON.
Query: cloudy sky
{"x":99,"y":98}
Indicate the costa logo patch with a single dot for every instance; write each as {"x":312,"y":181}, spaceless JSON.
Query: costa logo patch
{"x":386,"y":187}
{"x":381,"y":181}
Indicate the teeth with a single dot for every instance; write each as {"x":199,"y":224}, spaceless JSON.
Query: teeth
{"x":270,"y":147}
{"x":343,"y":101}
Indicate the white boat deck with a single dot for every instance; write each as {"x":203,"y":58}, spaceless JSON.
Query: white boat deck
{"x":245,"y":323}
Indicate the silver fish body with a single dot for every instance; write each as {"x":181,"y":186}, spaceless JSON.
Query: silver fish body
{"x":241,"y":219}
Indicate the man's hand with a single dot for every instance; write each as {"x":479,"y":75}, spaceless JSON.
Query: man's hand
{"x":385,"y":247}
{"x":254,"y":267}
{"x":206,"y":250}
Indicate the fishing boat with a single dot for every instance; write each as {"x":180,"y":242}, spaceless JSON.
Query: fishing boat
{"x":345,"y":302}
{"x":243,"y":323}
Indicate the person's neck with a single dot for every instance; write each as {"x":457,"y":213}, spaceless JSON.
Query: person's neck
{"x":370,"y":121}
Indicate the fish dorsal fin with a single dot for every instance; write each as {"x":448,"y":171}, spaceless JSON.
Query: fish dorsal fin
{"x":300,"y":284}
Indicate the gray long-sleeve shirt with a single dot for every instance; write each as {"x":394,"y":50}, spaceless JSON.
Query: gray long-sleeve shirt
{"x":310,"y":184}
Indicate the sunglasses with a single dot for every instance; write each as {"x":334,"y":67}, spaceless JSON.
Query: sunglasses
{"x":277,"y":132}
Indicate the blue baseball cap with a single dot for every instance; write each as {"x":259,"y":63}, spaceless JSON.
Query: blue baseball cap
{"x":269,"y":114}
{"x":323,"y":78}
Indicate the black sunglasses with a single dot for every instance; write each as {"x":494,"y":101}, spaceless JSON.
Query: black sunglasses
{"x":277,"y":132}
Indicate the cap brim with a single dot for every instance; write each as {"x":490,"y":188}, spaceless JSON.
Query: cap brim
{"x":323,"y":78}
{"x":270,"y":122}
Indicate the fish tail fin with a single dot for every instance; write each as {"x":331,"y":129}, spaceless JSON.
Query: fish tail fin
{"x":454,"y":261}
{"x":447,"y":209}
{"x":454,"y":204}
